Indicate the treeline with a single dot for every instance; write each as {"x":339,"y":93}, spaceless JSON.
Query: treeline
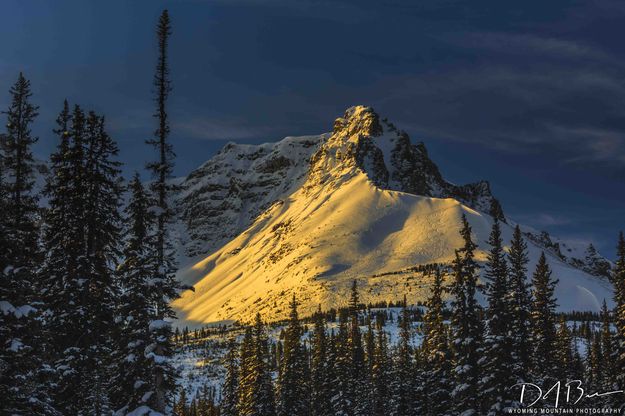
{"x":467,"y":366}
{"x":85,"y":286}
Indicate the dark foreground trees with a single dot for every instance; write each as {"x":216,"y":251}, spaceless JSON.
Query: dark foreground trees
{"x":85,"y":288}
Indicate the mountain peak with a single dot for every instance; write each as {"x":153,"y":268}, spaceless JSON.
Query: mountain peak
{"x":307,"y":216}
{"x":223,"y":197}
{"x":358,"y":119}
{"x":362,"y":141}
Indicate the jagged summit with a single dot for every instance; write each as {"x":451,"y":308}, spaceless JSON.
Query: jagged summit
{"x":222,"y":197}
{"x":361,"y":139}
{"x":307,"y":216}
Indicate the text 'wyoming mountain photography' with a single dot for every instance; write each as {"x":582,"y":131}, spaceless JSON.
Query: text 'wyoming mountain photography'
{"x":312,"y":208}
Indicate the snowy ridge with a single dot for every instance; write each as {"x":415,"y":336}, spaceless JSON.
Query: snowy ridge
{"x":222,"y":197}
{"x":369,"y":207}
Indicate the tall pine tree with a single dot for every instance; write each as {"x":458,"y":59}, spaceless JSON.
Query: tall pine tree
{"x":520,"y":303}
{"x":618,"y":282}
{"x":256,"y":394}
{"x":77,"y":277}
{"x":499,"y":361}
{"x":293,"y":388}
{"x":321,"y":372}
{"x":545,"y":364}
{"x":21,"y":355}
{"x":466,"y":327}
{"x":403,"y":374}
{"x":436,"y":353}
{"x":230,"y":389}
{"x":165,"y":287}
{"x":132,"y":381}
{"x":381,"y":374}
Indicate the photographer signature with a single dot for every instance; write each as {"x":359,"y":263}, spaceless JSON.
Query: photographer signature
{"x":573,"y":389}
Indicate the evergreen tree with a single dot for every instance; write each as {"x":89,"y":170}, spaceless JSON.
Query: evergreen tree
{"x":21,"y":355}
{"x":466,"y":327}
{"x":357,"y":368}
{"x":321,"y":371}
{"x":80,"y":239}
{"x":293,"y":389}
{"x":165,"y":287}
{"x":564,"y":352}
{"x":230,"y":389}
{"x":61,"y":278}
{"x":607,"y":348}
{"x":618,"y":281}
{"x":499,"y":361}
{"x":21,"y":203}
{"x":520,"y":300}
{"x":246,"y":361}
{"x":342,"y":401}
{"x":403,"y":386}
{"x":381,"y":374}
{"x":369,"y":364}
{"x":102,"y":220}
{"x":256,"y":395}
{"x":436,"y":353}
{"x":135,"y":306}
{"x":545,"y":365}
{"x":595,"y":360}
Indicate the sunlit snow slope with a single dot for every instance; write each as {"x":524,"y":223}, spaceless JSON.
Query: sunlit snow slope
{"x":346,"y":222}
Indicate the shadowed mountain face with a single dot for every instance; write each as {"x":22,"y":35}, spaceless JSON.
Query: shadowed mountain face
{"x":308,"y":215}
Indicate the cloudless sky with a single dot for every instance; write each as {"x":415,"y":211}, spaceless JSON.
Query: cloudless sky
{"x":528,"y":95}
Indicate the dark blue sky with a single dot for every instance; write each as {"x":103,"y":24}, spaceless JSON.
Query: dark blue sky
{"x":529,"y":95}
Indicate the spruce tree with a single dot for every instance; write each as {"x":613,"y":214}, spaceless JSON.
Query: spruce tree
{"x":342,"y":401}
{"x":357,"y":367}
{"x":618,"y":282}
{"x":61,"y":278}
{"x":520,"y":303}
{"x":369,"y":346}
{"x":321,"y":372}
{"x":230,"y":389}
{"x":257,"y":396}
{"x":564,"y":351}
{"x":381,"y":374}
{"x":595,"y":362}
{"x":466,"y":327}
{"x":165,"y":287}
{"x":403,"y":386}
{"x":21,"y":203}
{"x":293,"y":388}
{"x":135,"y":306}
{"x":607,"y":348}
{"x":64,"y":269}
{"x":80,"y":237}
{"x":545,"y":365}
{"x":102,"y":231}
{"x":436,"y":353}
{"x":21,"y":355}
{"x":498,"y":359}
{"x":246,"y":361}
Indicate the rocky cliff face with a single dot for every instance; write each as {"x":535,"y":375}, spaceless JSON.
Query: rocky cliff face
{"x":393,"y":162}
{"x":222,"y":198}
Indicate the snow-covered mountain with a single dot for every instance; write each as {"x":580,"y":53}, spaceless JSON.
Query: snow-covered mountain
{"x":308,"y":215}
